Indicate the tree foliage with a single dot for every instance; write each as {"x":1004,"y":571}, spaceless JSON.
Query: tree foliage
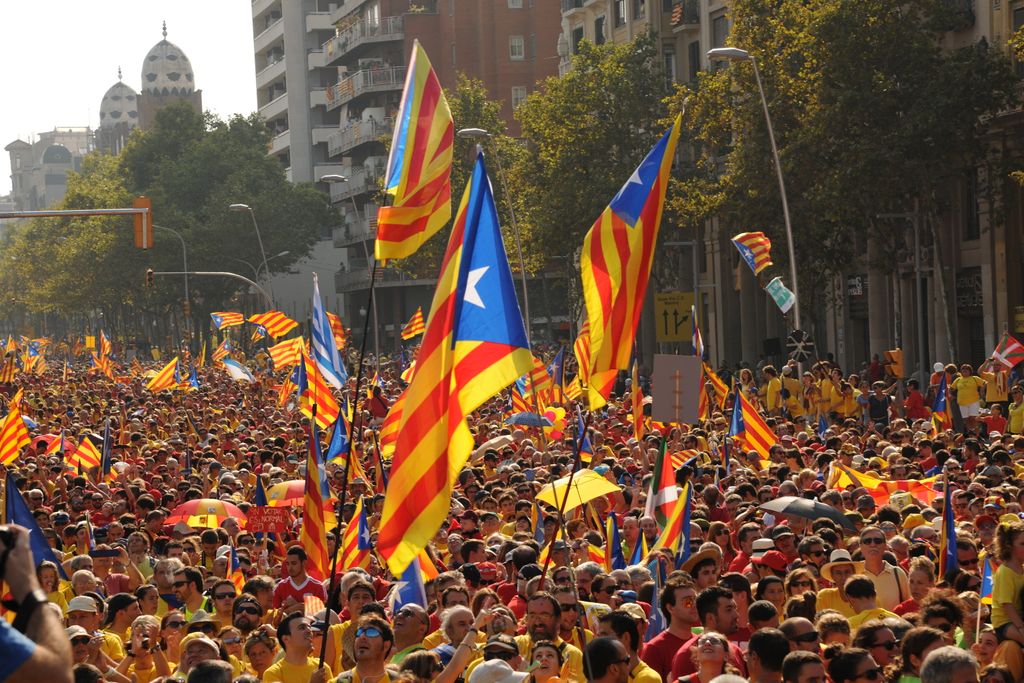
{"x":192,"y":167}
{"x":869,"y":107}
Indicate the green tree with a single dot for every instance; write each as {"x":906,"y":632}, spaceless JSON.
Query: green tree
{"x":870,"y":111}
{"x":585,"y":133}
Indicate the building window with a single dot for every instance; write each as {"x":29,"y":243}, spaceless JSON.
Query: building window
{"x":666,"y":5}
{"x":693,"y":61}
{"x":620,"y":12}
{"x":599,"y":31}
{"x":515,"y":4}
{"x":577,"y":38}
{"x":719,"y":30}
{"x":639,"y":9}
{"x":670,"y":66}
{"x":519,"y":93}
{"x":516,"y":48}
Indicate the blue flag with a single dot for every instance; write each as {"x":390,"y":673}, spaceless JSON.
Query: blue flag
{"x":822,"y":426}
{"x":409,"y":588}
{"x":656,"y":623}
{"x":613,"y":544}
{"x":339,"y":437}
{"x":18,"y":513}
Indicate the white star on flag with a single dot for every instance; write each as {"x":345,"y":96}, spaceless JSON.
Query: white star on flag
{"x":472,"y":295}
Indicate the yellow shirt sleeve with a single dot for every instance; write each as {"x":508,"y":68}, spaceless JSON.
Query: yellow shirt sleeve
{"x":1006,"y":587}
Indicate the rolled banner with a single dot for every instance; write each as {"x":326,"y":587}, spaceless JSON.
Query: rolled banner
{"x":783,"y":298}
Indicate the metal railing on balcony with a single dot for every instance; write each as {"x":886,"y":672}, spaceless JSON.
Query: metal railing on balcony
{"x":357,"y":133}
{"x":358,"y":276}
{"x":686,"y":13}
{"x":366,"y":80}
{"x":360,"y":181}
{"x":359,"y":230}
{"x":387,"y":28}
{"x":271,"y":26}
{"x":569,"y":5}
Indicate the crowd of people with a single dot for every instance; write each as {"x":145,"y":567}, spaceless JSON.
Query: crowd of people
{"x":520,"y":592}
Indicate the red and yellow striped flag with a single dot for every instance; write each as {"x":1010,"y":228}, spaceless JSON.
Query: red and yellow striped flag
{"x":13,"y":435}
{"x":539,"y":383}
{"x":389,"y":430}
{"x":756,"y":435}
{"x":222,"y":351}
{"x":720,"y":388}
{"x":313,"y":536}
{"x":615,"y":265}
{"x":314,"y":390}
{"x":9,"y":369}
{"x":415,"y":326}
{"x":222,"y":319}
{"x":338,"y":330}
{"x":86,"y":454}
{"x":276,"y":323}
{"x":287,"y":353}
{"x":165,"y":378}
{"x":581,"y":349}
{"x":105,"y":346}
{"x":475,"y":344}
{"x":638,"y":404}
{"x":419,"y":165}
{"x":356,"y":551}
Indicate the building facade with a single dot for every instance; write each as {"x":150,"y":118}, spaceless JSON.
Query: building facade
{"x":330,"y":78}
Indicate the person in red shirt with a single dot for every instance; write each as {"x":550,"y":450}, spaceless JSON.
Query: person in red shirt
{"x":290,"y":593}
{"x":678,"y":602}
{"x":994,"y":421}
{"x":717,"y":611}
{"x":913,"y":405}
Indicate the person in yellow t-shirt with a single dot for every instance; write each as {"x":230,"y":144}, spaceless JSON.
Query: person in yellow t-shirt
{"x":772,"y":391}
{"x":1008,"y":582}
{"x":1015,"y":413}
{"x":297,"y":666}
{"x":967,"y":390}
{"x":792,"y":399}
{"x":863,"y":595}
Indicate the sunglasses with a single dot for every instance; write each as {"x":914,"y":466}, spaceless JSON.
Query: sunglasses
{"x":802,"y":584}
{"x":889,"y":645}
{"x":232,"y":640}
{"x":874,"y":674}
{"x":945,"y":626}
{"x":808,"y":637}
{"x":175,"y":624}
{"x":224,"y":596}
{"x":873,"y":540}
{"x":180,"y":584}
{"x":368,"y":632}
{"x":80,"y":640}
{"x":569,"y":605}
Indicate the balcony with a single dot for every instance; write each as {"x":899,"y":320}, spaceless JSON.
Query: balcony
{"x":318,"y":97}
{"x":368,"y":80}
{"x":685,"y":15}
{"x":358,"y":133}
{"x":266,"y":37}
{"x":357,"y":277}
{"x":315,"y":59}
{"x":318,"y":21}
{"x":280,"y":142}
{"x":275,"y":107}
{"x":322,"y":134}
{"x":359,"y":231}
{"x":359,"y":182}
{"x":270,"y":73}
{"x":261,"y":6}
{"x":570,"y":6}
{"x":362,"y":32}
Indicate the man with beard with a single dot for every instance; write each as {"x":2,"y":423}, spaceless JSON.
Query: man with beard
{"x":543,"y":615}
{"x":297,"y":666}
{"x":246,"y":614}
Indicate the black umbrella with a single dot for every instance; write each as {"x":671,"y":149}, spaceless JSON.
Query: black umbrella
{"x":805,"y":507}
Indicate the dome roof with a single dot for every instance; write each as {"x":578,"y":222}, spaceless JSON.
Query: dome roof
{"x":57,"y":154}
{"x":120,"y":105}
{"x":167,"y":70}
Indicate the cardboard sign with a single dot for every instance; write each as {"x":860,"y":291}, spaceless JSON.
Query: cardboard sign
{"x":676,"y":385}
{"x":270,"y":519}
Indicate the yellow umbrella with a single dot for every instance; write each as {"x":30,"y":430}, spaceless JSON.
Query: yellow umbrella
{"x":586,"y":486}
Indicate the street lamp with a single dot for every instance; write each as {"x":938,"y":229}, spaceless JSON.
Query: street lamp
{"x":241,"y":208}
{"x":275,"y":256}
{"x":332,"y":178}
{"x":735,"y":54}
{"x":481,"y":134}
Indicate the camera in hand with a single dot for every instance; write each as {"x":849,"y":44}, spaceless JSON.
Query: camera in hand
{"x":6,"y":536}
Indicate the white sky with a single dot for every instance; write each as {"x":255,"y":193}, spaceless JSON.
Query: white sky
{"x":61,"y":56}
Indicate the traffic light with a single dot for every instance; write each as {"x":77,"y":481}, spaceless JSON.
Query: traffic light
{"x":143,"y":223}
{"x":894,"y":363}
{"x":186,"y":307}
{"x":149,"y":277}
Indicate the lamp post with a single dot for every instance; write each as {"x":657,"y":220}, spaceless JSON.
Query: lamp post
{"x":240,"y":208}
{"x":184,"y":261}
{"x":332,"y":178}
{"x":481,"y":134}
{"x":735,"y":54}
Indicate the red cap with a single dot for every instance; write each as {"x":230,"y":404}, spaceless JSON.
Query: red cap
{"x":772,"y":559}
{"x":488,"y":571}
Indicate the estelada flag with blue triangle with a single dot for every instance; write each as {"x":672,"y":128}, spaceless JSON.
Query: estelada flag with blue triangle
{"x":615,"y":265}
{"x":474,"y":346}
{"x":17,"y":512}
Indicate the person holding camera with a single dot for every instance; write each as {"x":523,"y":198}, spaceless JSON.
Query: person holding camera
{"x":35,"y":646}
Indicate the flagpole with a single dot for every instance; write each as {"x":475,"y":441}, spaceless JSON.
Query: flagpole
{"x":568,"y":488}
{"x":348,"y":468}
